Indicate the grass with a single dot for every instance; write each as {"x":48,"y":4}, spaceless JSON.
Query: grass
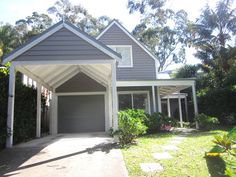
{"x":188,"y":160}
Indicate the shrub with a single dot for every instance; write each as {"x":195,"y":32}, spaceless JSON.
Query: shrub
{"x":130,"y":125}
{"x":159,"y":122}
{"x":219,"y":103}
{"x":206,"y":122}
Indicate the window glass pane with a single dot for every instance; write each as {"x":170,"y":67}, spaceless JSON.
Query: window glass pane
{"x":141,"y":101}
{"x":125,"y":102}
{"x":126,"y":55}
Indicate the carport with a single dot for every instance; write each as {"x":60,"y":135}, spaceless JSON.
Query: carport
{"x":55,"y":59}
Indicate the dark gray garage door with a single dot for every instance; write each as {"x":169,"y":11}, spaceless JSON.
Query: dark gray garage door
{"x":81,"y":113}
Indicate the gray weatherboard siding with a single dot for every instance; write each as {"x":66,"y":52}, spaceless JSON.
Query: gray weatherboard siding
{"x":81,"y":83}
{"x":63,"y":45}
{"x":143,"y":65}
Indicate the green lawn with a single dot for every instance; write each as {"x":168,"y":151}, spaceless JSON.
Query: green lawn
{"x":188,"y":160}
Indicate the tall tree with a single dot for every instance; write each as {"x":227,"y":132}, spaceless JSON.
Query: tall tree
{"x":8,"y":39}
{"x":213,"y":32}
{"x":33,"y":25}
{"x":79,"y":16}
{"x":165,"y":32}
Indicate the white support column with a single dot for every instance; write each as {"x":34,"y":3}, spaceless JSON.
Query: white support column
{"x":154,"y":99}
{"x":38,"y":119}
{"x":10,"y":110}
{"x":107,"y":117}
{"x":159,"y":100}
{"x":180,"y":111}
{"x":186,"y":107}
{"x":53,"y":122}
{"x":114,"y":96}
{"x":195,"y":103}
{"x":168,"y":106}
{"x":110,"y":106}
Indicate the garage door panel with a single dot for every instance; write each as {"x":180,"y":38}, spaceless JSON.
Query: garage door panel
{"x":84,"y":113}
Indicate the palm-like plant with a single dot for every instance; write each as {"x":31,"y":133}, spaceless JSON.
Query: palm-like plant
{"x":213,"y":32}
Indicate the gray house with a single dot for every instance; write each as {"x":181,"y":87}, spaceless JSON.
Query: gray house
{"x":91,"y":79}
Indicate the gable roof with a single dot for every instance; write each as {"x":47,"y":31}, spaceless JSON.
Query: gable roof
{"x":53,"y":29}
{"x":115,"y":22}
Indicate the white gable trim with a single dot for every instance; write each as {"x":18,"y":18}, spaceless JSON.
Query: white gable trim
{"x":52,"y":31}
{"x":135,"y":40}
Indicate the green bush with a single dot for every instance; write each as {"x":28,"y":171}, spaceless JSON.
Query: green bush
{"x":159,"y":122}
{"x":130,"y":125}
{"x":219,"y":103}
{"x":206,"y":122}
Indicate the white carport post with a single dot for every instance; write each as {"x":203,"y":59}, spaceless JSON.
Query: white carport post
{"x":153,"y":98}
{"x":10,"y":110}
{"x":195,"y":102}
{"x":159,"y":99}
{"x":38,"y":122}
{"x":180,"y":111}
{"x":114,"y":96}
{"x":168,"y":106}
{"x":186,"y":107}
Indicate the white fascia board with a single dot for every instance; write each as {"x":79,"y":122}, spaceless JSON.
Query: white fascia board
{"x":91,"y":42}
{"x":79,"y":93}
{"x":62,"y":62}
{"x":32,"y":44}
{"x":156,"y":83}
{"x":128,"y":34}
{"x":34,"y":77}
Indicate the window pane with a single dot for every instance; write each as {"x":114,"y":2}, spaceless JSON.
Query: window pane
{"x":141,"y":102}
{"x":125,"y":102}
{"x":126,"y":56}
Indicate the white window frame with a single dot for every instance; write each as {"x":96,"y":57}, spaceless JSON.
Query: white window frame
{"x":131,"y":55}
{"x":132,"y":95}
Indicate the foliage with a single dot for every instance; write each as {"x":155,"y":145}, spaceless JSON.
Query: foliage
{"x":206,"y":122}
{"x":165,"y":32}
{"x":79,"y":16}
{"x":212,"y":32}
{"x":24,"y":113}
{"x":219,"y":103}
{"x":226,"y":144}
{"x":130,"y":125}
{"x":159,"y":122}
{"x":187,"y":71}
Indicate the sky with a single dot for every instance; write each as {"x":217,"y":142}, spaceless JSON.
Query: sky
{"x":13,"y":10}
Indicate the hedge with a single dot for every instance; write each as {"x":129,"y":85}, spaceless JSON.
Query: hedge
{"x":219,"y":103}
{"x":24,"y":114}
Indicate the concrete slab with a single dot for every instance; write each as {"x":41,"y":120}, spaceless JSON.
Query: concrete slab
{"x":67,"y":155}
{"x":162,"y":155}
{"x":170,"y":148}
{"x":151,"y":167}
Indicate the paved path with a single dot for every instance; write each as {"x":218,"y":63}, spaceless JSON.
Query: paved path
{"x":171,"y":146}
{"x":71,"y":155}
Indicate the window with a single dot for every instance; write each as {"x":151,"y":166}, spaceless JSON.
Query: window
{"x":126,"y":53}
{"x":134,"y":100}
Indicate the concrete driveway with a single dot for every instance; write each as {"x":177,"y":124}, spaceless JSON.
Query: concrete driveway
{"x":67,"y":155}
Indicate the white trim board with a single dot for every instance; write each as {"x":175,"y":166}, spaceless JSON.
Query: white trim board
{"x":52,"y":31}
{"x":156,"y":83}
{"x":79,"y":93}
{"x":130,"y":36}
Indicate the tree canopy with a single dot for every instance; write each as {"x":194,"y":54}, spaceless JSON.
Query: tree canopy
{"x":165,"y":32}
